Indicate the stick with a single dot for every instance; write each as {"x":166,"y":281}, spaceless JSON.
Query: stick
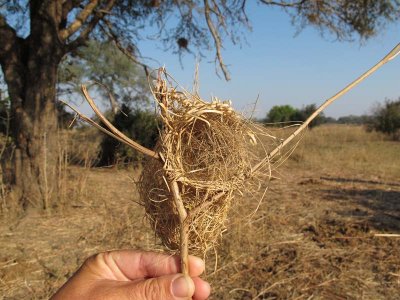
{"x":387,"y":235}
{"x":391,"y":55}
{"x":93,"y":123}
{"x":114,"y":130}
{"x":119,"y":136}
{"x":184,"y":227}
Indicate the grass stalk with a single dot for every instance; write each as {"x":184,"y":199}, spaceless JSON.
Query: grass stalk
{"x":390,"y":56}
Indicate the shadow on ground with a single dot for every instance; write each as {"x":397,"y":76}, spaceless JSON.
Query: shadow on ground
{"x":376,"y":202}
{"x":356,"y":180}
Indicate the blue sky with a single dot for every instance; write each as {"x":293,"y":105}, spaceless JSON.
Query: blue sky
{"x":280,"y":67}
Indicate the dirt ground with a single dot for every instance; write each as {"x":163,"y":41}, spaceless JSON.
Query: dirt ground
{"x":314,"y":236}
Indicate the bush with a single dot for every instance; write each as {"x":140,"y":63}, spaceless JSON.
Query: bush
{"x":306,"y":111}
{"x":282,"y":114}
{"x":139,"y":125}
{"x":354,"y":120}
{"x":386,"y":119}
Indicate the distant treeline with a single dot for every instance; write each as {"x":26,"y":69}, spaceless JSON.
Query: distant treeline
{"x":352,"y":119}
{"x":142,"y":125}
{"x":283,"y":114}
{"x":384,"y":117}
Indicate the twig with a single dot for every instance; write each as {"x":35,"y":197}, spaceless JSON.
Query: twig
{"x":94,"y":124}
{"x":386,"y":235}
{"x":217,"y":39}
{"x":391,"y":55}
{"x":114,"y":130}
{"x":184,"y":227}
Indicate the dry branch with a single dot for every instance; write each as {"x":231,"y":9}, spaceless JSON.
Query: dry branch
{"x":80,"y":20}
{"x":217,"y":39}
{"x":114,"y":130}
{"x":391,"y":55}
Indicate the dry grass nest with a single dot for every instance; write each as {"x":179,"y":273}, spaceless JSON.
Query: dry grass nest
{"x":208,"y":149}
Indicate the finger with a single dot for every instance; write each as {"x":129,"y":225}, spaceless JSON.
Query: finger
{"x":130,"y":265}
{"x":202,"y":289}
{"x":168,"y":287}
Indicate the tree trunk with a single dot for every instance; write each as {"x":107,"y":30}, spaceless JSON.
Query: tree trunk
{"x":36,"y":156}
{"x":36,"y":135}
{"x":30,"y":70}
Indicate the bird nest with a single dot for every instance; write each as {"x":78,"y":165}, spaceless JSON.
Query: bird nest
{"x":206,"y":149}
{"x":204,"y":156}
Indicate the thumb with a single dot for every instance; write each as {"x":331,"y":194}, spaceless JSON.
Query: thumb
{"x":169,"y":287}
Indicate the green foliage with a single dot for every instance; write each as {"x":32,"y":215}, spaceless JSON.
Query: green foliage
{"x":306,"y":111}
{"x":280,"y":114}
{"x":354,"y":120}
{"x":386,"y":119}
{"x":119,"y":79}
{"x":140,"y":125}
{"x":343,"y":18}
{"x":283,"y":114}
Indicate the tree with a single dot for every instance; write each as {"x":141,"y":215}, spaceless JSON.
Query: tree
{"x":354,"y":120}
{"x":109,"y":72}
{"x":114,"y":77}
{"x":281,"y":114}
{"x":386,"y":119}
{"x":36,"y":35}
{"x":306,"y":111}
{"x":140,"y":125}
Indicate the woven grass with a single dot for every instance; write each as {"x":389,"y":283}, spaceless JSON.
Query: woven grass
{"x":208,"y":149}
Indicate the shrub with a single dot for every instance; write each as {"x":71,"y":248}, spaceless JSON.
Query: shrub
{"x":386,"y":119}
{"x":306,"y":111}
{"x":280,"y":114}
{"x":354,"y":120}
{"x":140,"y":125}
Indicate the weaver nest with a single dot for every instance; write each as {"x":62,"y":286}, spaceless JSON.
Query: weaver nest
{"x":206,"y":149}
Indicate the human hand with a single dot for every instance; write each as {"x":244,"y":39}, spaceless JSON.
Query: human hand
{"x":139,"y":275}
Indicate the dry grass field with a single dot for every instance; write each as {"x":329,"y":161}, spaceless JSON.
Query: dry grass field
{"x":313,"y":236}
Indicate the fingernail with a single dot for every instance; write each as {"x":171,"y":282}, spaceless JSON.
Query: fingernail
{"x":182,"y":287}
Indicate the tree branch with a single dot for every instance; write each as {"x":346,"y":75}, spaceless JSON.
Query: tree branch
{"x":126,"y":140}
{"x":283,"y":4}
{"x":67,"y":6}
{"x":10,"y":49}
{"x":390,"y":56}
{"x":217,"y":39}
{"x":125,"y":51}
{"x":89,"y":28}
{"x":80,"y":20}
